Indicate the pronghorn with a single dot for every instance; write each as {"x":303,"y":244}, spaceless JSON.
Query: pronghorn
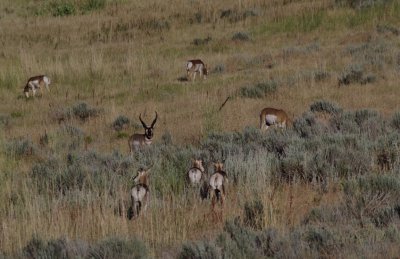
{"x":196,"y":66}
{"x":140,"y":193}
{"x":138,"y":140}
{"x":217,"y":184}
{"x":35,"y":83}
{"x":272,"y":116}
{"x":195,"y":173}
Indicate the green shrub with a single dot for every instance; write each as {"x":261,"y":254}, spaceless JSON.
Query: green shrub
{"x":321,"y":239}
{"x":358,"y":4}
{"x":325,"y":106}
{"x":308,"y":126}
{"x":84,"y":112}
{"x":4,"y":120}
{"x":21,"y":147}
{"x":65,"y":248}
{"x":241,"y":36}
{"x":199,"y":250}
{"x":395,"y":122}
{"x":120,"y":123}
{"x":259,"y":90}
{"x":57,"y":248}
{"x":199,"y":42}
{"x":63,"y":8}
{"x":352,"y":74}
{"x":92,"y":5}
{"x":119,"y":248}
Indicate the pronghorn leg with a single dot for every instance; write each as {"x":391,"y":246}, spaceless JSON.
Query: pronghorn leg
{"x":194,"y":76}
{"x":213,"y":202}
{"x":33,"y":87}
{"x":47,"y":87}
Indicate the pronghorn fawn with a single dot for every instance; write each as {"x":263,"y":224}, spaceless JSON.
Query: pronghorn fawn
{"x":272,"y":116}
{"x":138,"y":140}
{"x":217,"y":184}
{"x":140,"y":193}
{"x":35,"y":83}
{"x":195,"y":66}
{"x":196,"y":173}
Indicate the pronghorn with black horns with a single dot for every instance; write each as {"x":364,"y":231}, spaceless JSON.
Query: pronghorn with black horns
{"x":217,"y":184}
{"x":35,"y":83}
{"x":272,"y":116}
{"x":140,"y":193}
{"x":196,"y":66}
{"x":138,"y":140}
{"x":196,"y":173}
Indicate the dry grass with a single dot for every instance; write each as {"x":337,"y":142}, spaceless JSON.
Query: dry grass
{"x":123,"y":60}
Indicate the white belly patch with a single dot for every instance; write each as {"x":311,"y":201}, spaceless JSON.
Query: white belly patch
{"x":271,"y":119}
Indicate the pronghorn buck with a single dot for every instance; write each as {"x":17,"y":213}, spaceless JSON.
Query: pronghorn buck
{"x":272,"y":116}
{"x":196,"y":66}
{"x":217,"y":184}
{"x":138,"y":140}
{"x":35,"y":83}
{"x":195,"y":173}
{"x":140,"y":194}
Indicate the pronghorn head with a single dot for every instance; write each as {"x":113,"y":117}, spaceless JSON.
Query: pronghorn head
{"x":218,"y":166}
{"x":142,"y":176}
{"x":26,"y":91}
{"x":198,"y":164}
{"x":148,"y":131}
{"x":205,"y":70}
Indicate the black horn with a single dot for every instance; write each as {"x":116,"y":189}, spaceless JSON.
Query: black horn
{"x":154,"y":121}
{"x":144,"y":124}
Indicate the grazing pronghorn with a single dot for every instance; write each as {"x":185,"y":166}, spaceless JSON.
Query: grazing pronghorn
{"x":35,"y":83}
{"x":196,"y":66}
{"x":217,"y":184}
{"x":272,"y":116}
{"x":140,"y":193}
{"x":138,"y":140}
{"x":196,"y":173}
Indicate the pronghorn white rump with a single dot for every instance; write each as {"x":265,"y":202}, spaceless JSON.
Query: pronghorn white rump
{"x":35,"y":83}
{"x":195,"y":66}
{"x":217,"y":184}
{"x":195,"y":173}
{"x":272,"y":116}
{"x":138,"y":140}
{"x":140,"y":193}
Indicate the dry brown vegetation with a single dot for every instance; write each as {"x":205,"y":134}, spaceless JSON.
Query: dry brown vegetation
{"x":128,"y":57}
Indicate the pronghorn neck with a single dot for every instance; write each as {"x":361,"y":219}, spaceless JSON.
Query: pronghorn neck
{"x":147,"y":140}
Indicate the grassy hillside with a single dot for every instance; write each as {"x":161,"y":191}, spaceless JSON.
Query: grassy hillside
{"x":331,"y":179}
